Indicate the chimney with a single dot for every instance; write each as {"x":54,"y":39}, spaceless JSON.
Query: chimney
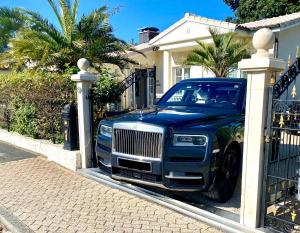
{"x":146,"y":34}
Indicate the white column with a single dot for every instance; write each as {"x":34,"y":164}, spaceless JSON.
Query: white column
{"x":259,"y":69}
{"x":134,"y":96}
{"x":167,"y":68}
{"x":84,"y":81}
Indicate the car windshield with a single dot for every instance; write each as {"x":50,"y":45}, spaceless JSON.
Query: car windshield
{"x":207,"y":94}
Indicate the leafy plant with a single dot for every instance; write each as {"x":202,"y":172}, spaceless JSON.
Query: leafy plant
{"x":106,"y":90}
{"x":11,"y":20}
{"x":24,"y":117}
{"x":39,"y":44}
{"x":222,"y":55}
{"x":36,"y":105}
{"x":36,"y":100}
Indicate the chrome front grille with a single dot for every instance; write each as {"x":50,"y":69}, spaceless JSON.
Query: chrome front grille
{"x":138,"y":143}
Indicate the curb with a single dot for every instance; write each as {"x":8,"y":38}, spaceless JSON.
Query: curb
{"x":12,"y":223}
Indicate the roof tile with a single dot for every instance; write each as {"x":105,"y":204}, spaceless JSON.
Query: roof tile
{"x":284,"y":20}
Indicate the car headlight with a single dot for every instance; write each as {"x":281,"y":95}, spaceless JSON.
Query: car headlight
{"x":189,"y":140}
{"x":106,"y":131}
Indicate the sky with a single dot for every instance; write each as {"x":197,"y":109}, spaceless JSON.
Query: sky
{"x":135,"y":14}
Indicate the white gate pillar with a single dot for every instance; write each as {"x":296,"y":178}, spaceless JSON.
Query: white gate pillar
{"x":259,"y":69}
{"x":84,"y":81}
{"x":166,"y":70}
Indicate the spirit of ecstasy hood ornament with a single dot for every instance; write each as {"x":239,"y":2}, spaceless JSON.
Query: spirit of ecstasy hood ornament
{"x":142,"y":113}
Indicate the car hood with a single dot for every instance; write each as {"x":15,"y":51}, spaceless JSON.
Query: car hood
{"x":177,"y":116}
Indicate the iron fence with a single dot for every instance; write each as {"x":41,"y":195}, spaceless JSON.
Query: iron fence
{"x":281,"y":181}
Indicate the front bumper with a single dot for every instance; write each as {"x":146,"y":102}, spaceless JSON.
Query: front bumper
{"x":178,"y":174}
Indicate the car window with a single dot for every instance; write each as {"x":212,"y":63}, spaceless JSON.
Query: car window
{"x":214,"y":94}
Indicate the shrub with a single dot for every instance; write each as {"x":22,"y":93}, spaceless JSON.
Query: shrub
{"x":35,"y":101}
{"x":36,"y":86}
{"x":106,"y":90}
{"x":24,"y":118}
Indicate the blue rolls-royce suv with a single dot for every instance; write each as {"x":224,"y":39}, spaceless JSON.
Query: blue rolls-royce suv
{"x":190,"y":141}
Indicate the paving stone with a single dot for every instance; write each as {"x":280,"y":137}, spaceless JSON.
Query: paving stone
{"x":49,"y":198}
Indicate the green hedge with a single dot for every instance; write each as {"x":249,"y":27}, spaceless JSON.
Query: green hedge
{"x":35,"y":100}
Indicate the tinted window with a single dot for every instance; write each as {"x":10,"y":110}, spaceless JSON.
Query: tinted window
{"x":208,"y":94}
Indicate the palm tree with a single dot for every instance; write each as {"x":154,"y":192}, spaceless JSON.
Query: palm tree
{"x":44,"y":45}
{"x":11,"y":20}
{"x":222,"y":55}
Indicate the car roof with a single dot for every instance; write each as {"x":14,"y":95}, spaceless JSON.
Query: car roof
{"x":240,"y":80}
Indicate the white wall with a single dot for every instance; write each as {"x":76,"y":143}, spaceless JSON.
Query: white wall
{"x":159,"y":72}
{"x":196,"y":71}
{"x":201,"y":72}
{"x":188,"y":31}
{"x":288,"y":41}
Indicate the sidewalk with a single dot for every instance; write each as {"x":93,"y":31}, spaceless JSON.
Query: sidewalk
{"x":49,"y":198}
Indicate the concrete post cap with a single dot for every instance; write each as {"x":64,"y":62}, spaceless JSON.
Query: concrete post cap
{"x":83,"y":64}
{"x":263,"y":40}
{"x":83,"y":75}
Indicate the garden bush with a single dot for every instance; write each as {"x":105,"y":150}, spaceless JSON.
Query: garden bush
{"x":35,"y":101}
{"x":24,"y":118}
{"x":106,"y":90}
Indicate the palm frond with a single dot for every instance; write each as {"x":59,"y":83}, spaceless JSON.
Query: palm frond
{"x":75,"y":10}
{"x":11,"y":20}
{"x":56,"y":11}
{"x":220,"y":56}
{"x":92,"y":37}
{"x":39,"y":24}
{"x":67,"y":18}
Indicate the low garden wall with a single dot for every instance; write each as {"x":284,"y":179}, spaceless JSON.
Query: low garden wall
{"x":53,"y":152}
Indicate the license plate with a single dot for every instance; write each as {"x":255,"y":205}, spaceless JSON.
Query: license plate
{"x":134,"y":165}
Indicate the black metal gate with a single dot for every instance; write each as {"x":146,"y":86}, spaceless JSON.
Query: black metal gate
{"x":281,"y":205}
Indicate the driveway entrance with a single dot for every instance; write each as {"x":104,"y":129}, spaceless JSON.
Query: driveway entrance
{"x":49,"y":198}
{"x":9,"y":153}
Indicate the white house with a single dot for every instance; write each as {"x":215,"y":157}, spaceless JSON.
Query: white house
{"x":166,"y":51}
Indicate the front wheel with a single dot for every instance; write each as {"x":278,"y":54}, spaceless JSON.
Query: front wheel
{"x":227,"y":177}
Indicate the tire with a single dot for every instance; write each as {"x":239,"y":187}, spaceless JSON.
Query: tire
{"x":225,"y":181}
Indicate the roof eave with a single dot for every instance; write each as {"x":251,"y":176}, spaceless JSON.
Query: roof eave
{"x":144,"y":50}
{"x":275,"y":28}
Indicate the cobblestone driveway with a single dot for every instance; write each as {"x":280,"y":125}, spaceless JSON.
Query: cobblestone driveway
{"x":49,"y":198}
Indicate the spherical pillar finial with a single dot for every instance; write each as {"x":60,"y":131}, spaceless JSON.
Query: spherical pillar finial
{"x":83,"y":64}
{"x":263,"y":40}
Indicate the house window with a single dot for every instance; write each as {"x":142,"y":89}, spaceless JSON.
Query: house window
{"x":236,"y":73}
{"x":181,"y":73}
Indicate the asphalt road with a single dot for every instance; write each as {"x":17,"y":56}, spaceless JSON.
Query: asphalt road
{"x":9,"y":153}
